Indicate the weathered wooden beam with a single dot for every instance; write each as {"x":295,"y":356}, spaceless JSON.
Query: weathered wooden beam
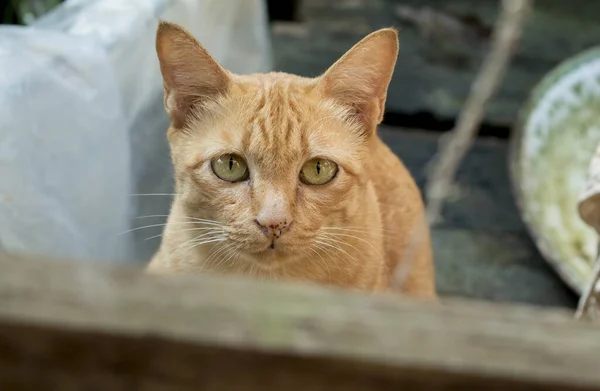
{"x":84,"y":326}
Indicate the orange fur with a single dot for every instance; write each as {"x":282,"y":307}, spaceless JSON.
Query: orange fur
{"x":351,"y":232}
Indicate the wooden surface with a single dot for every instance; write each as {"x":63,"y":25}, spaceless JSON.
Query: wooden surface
{"x":90,"y":327}
{"x":442,"y":44}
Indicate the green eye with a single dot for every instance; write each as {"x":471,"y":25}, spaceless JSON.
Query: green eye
{"x":231,"y":168}
{"x":318,"y":171}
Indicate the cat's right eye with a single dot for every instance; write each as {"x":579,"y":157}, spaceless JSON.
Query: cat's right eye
{"x":230,"y":168}
{"x":318,"y":171}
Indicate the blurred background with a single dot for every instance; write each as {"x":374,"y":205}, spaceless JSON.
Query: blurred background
{"x":84,"y":159}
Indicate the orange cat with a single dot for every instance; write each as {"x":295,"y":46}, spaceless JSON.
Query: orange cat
{"x":284,"y":177}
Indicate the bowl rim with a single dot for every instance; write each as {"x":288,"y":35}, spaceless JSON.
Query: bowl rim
{"x":515,"y":159}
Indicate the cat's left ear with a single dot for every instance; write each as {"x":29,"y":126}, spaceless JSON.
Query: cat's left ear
{"x":191,"y":76}
{"x":361,"y":77}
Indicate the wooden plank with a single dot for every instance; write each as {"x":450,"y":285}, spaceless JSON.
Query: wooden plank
{"x":75,"y":326}
{"x":442,"y":44}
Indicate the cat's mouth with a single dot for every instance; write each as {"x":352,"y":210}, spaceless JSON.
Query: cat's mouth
{"x":269,"y":248}
{"x":272,"y":256}
{"x":273,"y":249}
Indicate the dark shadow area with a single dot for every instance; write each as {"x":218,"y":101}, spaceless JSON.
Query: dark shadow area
{"x":429,"y":122}
{"x":283,"y":10}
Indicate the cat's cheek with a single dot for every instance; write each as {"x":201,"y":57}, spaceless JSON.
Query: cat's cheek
{"x":199,"y":187}
{"x":241,"y":195}
{"x":299,"y":195}
{"x":204,"y":178}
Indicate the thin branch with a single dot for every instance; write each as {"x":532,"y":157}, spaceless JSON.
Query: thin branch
{"x":505,"y":38}
{"x":506,"y":35}
{"x":588,"y":303}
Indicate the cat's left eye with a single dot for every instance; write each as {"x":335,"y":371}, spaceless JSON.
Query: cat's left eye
{"x":230,"y":168}
{"x":318,"y":171}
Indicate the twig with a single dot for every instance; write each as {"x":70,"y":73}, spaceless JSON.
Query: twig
{"x":506,"y":35}
{"x":587,"y":307}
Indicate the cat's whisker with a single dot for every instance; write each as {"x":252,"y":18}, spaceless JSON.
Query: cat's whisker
{"x":360,"y":252}
{"x":216,"y":253}
{"x":203,"y":220}
{"x":240,"y":250}
{"x":206,"y":234}
{"x":340,"y":243}
{"x":337,"y":234}
{"x":332,"y":230}
{"x":226,"y":255}
{"x":328,"y":251}
{"x":155,"y":225}
{"x":199,"y":238}
{"x":193,"y":241}
{"x":195,"y":244}
{"x":153,"y":194}
{"x":171,"y":251}
{"x":160,"y":225}
{"x":232,"y":255}
{"x":215,"y":249}
{"x":387,"y":269}
{"x":225,"y":252}
{"x":337,"y":247}
{"x":363,"y":264}
{"x":359,"y":231}
{"x":323,"y":260}
{"x":363,"y":230}
{"x":206,"y":221}
{"x":185,"y":230}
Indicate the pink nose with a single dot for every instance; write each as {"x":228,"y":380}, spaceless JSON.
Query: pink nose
{"x":274,"y":216}
{"x":273,"y":227}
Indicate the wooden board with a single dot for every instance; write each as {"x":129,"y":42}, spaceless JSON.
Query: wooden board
{"x":80,"y":326}
{"x":442,"y":44}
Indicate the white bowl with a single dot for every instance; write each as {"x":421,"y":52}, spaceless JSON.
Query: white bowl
{"x":551,"y":149}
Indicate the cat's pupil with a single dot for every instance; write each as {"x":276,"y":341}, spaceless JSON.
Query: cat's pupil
{"x":230,"y":162}
{"x":318,"y":167}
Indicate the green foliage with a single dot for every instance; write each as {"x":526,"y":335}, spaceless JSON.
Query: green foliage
{"x":25,"y":11}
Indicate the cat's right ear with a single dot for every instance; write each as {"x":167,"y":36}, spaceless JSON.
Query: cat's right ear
{"x":191,"y":75}
{"x":360,"y":78}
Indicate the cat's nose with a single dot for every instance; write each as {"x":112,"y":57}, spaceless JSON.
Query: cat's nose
{"x":273,"y":227}
{"x":274,"y":216}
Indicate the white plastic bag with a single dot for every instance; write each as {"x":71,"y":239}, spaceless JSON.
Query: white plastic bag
{"x":64,"y":149}
{"x":83,"y":127}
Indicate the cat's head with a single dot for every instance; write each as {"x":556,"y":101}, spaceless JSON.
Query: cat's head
{"x":273,"y":158}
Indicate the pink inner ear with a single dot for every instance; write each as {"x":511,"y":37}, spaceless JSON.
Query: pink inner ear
{"x":361,"y":77}
{"x":190,"y":74}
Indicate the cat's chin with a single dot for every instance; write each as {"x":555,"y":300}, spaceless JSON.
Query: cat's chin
{"x":270,"y":259}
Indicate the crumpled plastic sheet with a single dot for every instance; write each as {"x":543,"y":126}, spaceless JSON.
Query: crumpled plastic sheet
{"x":82,"y":123}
